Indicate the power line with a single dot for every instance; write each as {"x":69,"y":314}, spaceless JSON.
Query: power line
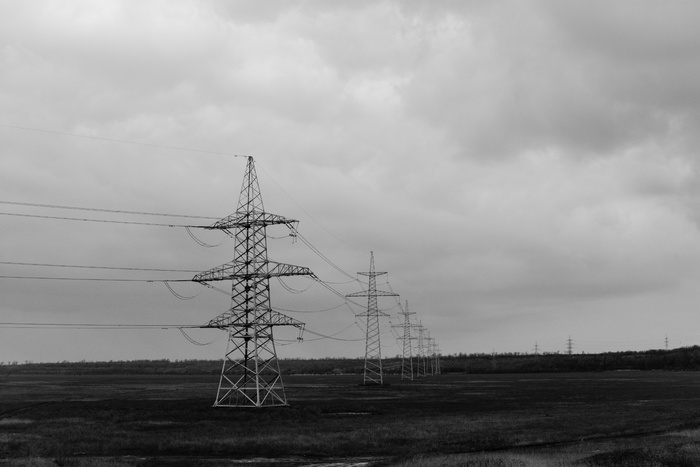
{"x":309,"y":311}
{"x":116,"y":211}
{"x":27,"y":325}
{"x":124,"y":141}
{"x":17,"y":263}
{"x":324,"y":257}
{"x":339,"y":294}
{"x":305,"y":211}
{"x":332,"y":336}
{"x":36,"y":216}
{"x":97,"y":279}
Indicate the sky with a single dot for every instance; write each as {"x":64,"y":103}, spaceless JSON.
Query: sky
{"x":525,"y":171}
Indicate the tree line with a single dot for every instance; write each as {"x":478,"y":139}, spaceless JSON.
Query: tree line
{"x":684,"y":358}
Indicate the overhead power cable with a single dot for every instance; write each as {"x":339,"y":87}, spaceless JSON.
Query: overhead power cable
{"x":17,"y":263}
{"x":124,"y":141}
{"x":286,"y":310}
{"x":336,"y":292}
{"x":83,"y":219}
{"x":28,"y":325}
{"x":332,"y":336}
{"x":324,"y":257}
{"x":192,"y":341}
{"x":307,"y":213}
{"x":114,"y":211}
{"x":200,"y":242}
{"x":95,"y":279}
{"x":177,"y":295}
{"x":291,"y":289}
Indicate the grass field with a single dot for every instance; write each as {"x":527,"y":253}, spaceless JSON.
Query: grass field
{"x":610,"y":418}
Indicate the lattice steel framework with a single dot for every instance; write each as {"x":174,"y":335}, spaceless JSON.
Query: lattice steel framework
{"x":250,"y":376}
{"x":407,"y":357}
{"x":421,"y":367}
{"x":437,"y":359}
{"x":432,"y":354}
{"x":373,"y":346}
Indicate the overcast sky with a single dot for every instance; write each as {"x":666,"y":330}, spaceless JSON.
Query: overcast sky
{"x":525,"y":171}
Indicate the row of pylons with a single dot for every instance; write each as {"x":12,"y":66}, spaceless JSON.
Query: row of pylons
{"x":250,"y":376}
{"x":427,"y":357}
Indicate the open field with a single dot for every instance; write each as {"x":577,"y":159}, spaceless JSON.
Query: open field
{"x":608,"y":418}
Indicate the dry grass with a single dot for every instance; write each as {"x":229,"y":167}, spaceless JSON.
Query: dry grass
{"x":427,"y":422}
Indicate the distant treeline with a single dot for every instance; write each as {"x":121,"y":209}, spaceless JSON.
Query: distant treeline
{"x":684,"y":358}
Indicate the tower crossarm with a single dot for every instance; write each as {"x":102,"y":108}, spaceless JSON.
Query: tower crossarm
{"x":377,"y":293}
{"x":257,"y":270}
{"x":267,"y":318}
{"x":282,"y":269}
{"x":254,"y":218}
{"x":376,"y":313}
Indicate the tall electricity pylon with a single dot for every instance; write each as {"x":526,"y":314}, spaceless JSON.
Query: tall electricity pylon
{"x":373,"y":347}
{"x":250,"y":376}
{"x":406,"y":358}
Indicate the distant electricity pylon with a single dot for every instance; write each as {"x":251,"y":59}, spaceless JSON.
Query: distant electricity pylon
{"x":406,"y":358}
{"x":373,"y":347}
{"x":569,"y":346}
{"x":421,"y":366}
{"x":432,"y":353}
{"x":437,"y":359}
{"x":250,"y":376}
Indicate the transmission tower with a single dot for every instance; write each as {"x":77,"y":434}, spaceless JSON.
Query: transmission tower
{"x":373,"y":347}
{"x":406,"y":358}
{"x":250,"y":376}
{"x":431,"y":355}
{"x":437,"y":359}
{"x":569,"y":346}
{"x":421,"y":367}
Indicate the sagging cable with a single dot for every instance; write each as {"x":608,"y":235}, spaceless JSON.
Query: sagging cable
{"x":177,"y":295}
{"x":192,"y":341}
{"x":200,"y":242}
{"x":292,"y":290}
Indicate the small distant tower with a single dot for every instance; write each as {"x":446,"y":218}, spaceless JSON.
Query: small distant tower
{"x":406,"y":358}
{"x":666,"y":341}
{"x":433,"y":356}
{"x":373,"y":347}
{"x":421,"y":369}
{"x":250,"y":376}
{"x":437,"y":359}
{"x":569,"y":346}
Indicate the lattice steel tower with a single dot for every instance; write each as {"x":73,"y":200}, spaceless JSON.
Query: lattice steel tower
{"x":250,"y":376}
{"x":421,"y":368}
{"x":406,"y":358}
{"x":373,"y":347}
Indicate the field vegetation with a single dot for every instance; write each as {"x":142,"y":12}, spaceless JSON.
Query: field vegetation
{"x":681,"y":359}
{"x":159,"y":413}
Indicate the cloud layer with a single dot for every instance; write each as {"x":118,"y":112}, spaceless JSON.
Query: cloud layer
{"x":524,"y":171}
